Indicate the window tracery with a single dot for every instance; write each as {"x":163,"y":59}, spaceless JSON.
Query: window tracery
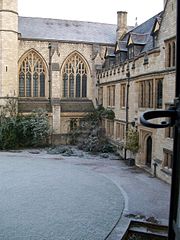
{"x":32,"y":76}
{"x":75,"y":78}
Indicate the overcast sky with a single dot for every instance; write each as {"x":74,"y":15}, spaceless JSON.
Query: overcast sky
{"x":91,"y":10}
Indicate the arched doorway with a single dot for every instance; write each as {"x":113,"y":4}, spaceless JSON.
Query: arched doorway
{"x":149,"y":151}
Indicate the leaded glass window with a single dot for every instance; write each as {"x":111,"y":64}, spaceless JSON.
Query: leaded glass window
{"x":75,"y":77}
{"x":21,"y":84}
{"x":159,"y":99}
{"x":32,"y":76}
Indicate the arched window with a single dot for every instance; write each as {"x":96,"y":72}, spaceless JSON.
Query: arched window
{"x":149,"y":94}
{"x":32,"y":76}
{"x":169,"y":55}
{"x":75,"y":77}
{"x":174,"y":54}
{"x":141,"y":96}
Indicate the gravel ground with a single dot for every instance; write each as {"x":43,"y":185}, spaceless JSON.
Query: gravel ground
{"x":79,"y":197}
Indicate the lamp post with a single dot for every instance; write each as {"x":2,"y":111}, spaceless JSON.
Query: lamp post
{"x":127,"y":106}
{"x":50,"y":71}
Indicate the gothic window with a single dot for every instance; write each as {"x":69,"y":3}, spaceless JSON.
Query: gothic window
{"x":111,"y":96}
{"x":32,"y":76}
{"x":151,"y":93}
{"x":169,"y":55}
{"x":141,"y":94}
{"x":170,"y":47}
{"x":123,"y":95}
{"x":173,"y":54}
{"x":75,"y":78}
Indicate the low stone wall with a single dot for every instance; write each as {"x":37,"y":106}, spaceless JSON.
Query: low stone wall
{"x":58,"y":139}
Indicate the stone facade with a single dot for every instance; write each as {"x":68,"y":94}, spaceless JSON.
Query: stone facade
{"x":147,"y":67}
{"x":106,"y":60}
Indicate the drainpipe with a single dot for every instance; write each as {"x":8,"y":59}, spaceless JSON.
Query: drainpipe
{"x":50,"y":72}
{"x":127,"y":106}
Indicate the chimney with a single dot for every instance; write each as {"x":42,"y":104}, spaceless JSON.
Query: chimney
{"x":121,"y":24}
{"x":165,"y":2}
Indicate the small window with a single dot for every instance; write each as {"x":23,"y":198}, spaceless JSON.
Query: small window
{"x":170,"y":50}
{"x":159,"y":93}
{"x":141,"y":94}
{"x":168,"y":159}
{"x":155,"y":37}
{"x":111,"y":96}
{"x":131,"y":51}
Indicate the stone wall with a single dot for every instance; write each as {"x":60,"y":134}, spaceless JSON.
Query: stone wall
{"x":140,"y":71}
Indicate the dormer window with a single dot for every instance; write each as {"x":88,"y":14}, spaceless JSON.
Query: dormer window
{"x":155,"y":31}
{"x":120,"y":52}
{"x":155,"y":37}
{"x":131,"y":51}
{"x":109,"y":57}
{"x":136,"y":43}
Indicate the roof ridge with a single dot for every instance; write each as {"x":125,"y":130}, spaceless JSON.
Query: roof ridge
{"x":158,"y":14}
{"x":67,"y":20}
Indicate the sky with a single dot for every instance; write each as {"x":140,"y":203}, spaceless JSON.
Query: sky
{"x":103,"y":11}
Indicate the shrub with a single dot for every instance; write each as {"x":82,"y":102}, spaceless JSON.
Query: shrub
{"x":90,"y":136}
{"x":132,"y":141}
{"x":22,"y":131}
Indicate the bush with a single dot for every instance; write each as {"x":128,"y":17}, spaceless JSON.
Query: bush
{"x":132,"y":141}
{"x":23,"y":131}
{"x":90,"y":136}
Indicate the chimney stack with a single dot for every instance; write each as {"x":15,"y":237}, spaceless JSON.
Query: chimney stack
{"x":165,"y":2}
{"x":121,"y":24}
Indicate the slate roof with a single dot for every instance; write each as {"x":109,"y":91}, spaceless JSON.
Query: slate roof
{"x":142,"y":34}
{"x":66,"y":30}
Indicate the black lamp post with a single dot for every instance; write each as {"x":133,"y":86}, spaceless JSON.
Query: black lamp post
{"x":127,"y":105}
{"x":50,"y":71}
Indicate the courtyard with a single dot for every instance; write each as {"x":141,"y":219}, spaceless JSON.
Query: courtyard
{"x":75,"y":197}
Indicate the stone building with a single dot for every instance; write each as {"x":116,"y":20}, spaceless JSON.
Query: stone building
{"x":142,"y":66}
{"x":69,"y":67}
